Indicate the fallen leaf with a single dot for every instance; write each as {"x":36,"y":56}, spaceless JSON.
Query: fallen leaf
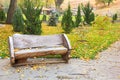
{"x":15,"y":50}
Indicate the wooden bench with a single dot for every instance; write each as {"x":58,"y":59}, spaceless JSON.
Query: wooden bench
{"x":22,"y":47}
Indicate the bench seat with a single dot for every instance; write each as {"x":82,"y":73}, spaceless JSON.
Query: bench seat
{"x":36,"y":52}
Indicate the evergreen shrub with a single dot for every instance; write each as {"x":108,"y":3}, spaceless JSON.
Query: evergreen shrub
{"x":18,"y":21}
{"x":44,"y":18}
{"x":88,"y":14}
{"x":78,"y":18}
{"x":67,"y":22}
{"x":32,"y":17}
{"x":2,"y":15}
{"x":52,"y":21}
{"x":114,"y":17}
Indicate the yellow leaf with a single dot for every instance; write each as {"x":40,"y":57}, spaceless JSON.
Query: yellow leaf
{"x":15,"y":50}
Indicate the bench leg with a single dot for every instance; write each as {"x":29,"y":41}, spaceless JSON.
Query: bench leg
{"x":21,"y":60}
{"x":65,"y":57}
{"x":12,"y":60}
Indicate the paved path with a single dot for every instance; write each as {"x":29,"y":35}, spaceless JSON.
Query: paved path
{"x":2,"y":25}
{"x":107,"y":67}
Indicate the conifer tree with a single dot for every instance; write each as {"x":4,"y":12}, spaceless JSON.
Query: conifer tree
{"x":88,"y":14}
{"x":44,"y":17}
{"x":32,"y":17}
{"x":2,"y":15}
{"x":18,"y":21}
{"x":78,"y":17}
{"x":114,"y":17}
{"x":67,"y":22}
{"x":52,"y":21}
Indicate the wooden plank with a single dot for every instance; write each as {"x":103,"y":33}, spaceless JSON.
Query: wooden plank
{"x":28,"y":41}
{"x":66,"y":42}
{"x":39,"y":52}
{"x":39,"y":61}
{"x":11,"y":50}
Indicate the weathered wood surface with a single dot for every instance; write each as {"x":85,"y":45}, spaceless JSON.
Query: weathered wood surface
{"x":40,"y":61}
{"x":39,"y":52}
{"x":66,"y":42}
{"x":28,"y":41}
{"x":11,"y":50}
{"x":28,"y":46}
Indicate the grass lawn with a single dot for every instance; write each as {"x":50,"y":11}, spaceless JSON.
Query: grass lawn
{"x":86,"y":42}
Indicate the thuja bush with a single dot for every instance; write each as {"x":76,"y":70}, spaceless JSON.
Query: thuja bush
{"x":44,"y":17}
{"x":78,"y":18}
{"x":2,"y":15}
{"x":18,"y":21}
{"x":114,"y":17}
{"x":67,"y":22}
{"x":32,"y":17}
{"x":88,"y":14}
{"x":52,"y":21}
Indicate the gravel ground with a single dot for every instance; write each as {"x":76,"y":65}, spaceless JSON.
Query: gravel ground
{"x":106,"y":67}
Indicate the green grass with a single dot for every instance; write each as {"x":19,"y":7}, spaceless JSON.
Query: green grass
{"x":86,"y":42}
{"x":95,"y":41}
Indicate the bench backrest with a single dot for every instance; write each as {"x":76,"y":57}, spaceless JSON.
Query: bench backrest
{"x":29,"y":41}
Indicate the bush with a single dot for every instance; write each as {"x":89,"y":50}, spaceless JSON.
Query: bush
{"x":101,"y":22}
{"x":92,"y":17}
{"x":44,"y":18}
{"x":2,"y":15}
{"x":18,"y":21}
{"x":114,"y":17}
{"x":88,"y":14}
{"x":78,"y":17}
{"x":32,"y":17}
{"x":67,"y":22}
{"x":52,"y":21}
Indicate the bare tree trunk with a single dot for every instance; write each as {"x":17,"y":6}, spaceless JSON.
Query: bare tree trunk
{"x":58,"y":3}
{"x":46,"y":3}
{"x":12,"y":7}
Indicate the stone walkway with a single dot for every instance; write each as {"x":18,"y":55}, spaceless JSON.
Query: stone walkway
{"x":2,"y":25}
{"x":107,"y":67}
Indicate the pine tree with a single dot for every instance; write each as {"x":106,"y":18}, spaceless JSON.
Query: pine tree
{"x":114,"y":17}
{"x":92,"y":17}
{"x":2,"y":15}
{"x":88,"y":14}
{"x":32,"y":17}
{"x":78,"y":17}
{"x":52,"y":21}
{"x":44,"y":17}
{"x":18,"y":21}
{"x":67,"y":22}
